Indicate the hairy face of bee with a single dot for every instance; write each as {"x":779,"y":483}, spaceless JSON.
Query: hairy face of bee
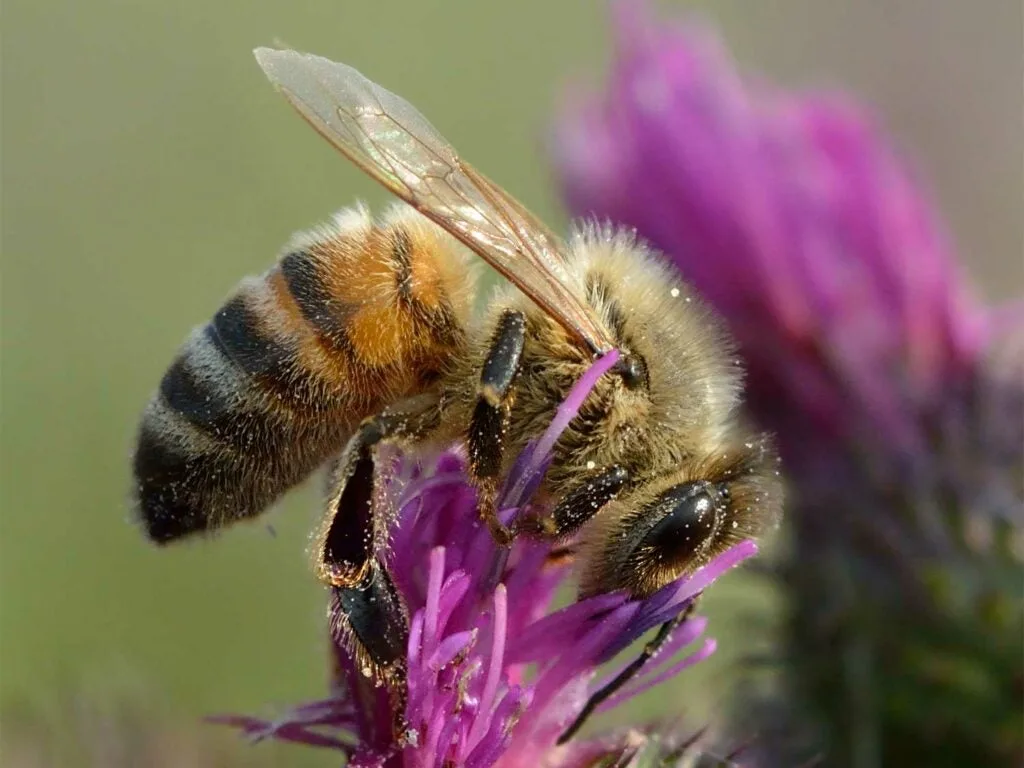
{"x":660,"y":445}
{"x":651,"y":536}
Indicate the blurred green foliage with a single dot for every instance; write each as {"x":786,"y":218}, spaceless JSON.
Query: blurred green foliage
{"x":147,"y":166}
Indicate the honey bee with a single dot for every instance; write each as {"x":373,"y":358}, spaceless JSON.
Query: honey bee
{"x":364,"y":332}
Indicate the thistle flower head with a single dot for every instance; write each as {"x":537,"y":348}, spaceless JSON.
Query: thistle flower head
{"x":495,"y":674}
{"x":792,"y":216}
{"x":868,"y":359}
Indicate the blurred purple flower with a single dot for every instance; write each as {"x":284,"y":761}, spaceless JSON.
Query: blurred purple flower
{"x":867,"y":357}
{"x":790,"y":214}
{"x":495,"y":675}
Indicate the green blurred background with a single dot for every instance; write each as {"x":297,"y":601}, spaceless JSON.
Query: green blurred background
{"x":148,"y":165}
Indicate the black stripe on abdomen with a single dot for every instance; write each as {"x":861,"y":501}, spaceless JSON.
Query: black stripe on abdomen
{"x":164,"y":476}
{"x":185,"y":484}
{"x":323,"y":311}
{"x":196,"y":399}
{"x":265,"y":362}
{"x":236,"y":333}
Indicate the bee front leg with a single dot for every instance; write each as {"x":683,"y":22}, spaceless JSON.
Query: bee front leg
{"x":577,"y":507}
{"x":649,"y":652}
{"x":489,"y":422}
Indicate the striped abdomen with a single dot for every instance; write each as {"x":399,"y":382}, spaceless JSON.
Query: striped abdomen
{"x":356,"y":315}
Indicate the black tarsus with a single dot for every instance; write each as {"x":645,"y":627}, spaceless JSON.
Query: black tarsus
{"x":377,"y":617}
{"x":577,"y":507}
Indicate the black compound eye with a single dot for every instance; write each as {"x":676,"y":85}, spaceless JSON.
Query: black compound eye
{"x":633,"y":371}
{"x":688,"y":517}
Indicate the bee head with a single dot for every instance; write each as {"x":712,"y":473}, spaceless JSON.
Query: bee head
{"x":675,"y":524}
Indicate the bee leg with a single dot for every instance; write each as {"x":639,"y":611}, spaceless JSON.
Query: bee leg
{"x":368,"y":615}
{"x":577,"y":507}
{"x":371,"y":621}
{"x":489,"y":422}
{"x":649,"y":652}
{"x":352,"y":530}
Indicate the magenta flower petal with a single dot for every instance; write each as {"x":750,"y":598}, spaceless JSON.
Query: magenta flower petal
{"x":791,"y":215}
{"x":878,"y":371}
{"x":528,"y":470}
{"x":494,"y":674}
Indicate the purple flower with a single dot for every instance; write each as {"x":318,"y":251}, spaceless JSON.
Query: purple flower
{"x":791,"y":215}
{"x":868,"y":358}
{"x":495,"y":674}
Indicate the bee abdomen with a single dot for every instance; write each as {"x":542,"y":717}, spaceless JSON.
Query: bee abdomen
{"x":210,"y":439}
{"x":352,"y":318}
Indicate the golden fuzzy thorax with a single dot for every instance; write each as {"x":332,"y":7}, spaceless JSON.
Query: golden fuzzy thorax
{"x":684,"y":425}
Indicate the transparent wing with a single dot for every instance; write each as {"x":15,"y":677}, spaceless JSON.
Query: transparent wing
{"x":392,"y":142}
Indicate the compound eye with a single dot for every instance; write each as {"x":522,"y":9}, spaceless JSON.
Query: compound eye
{"x":688,"y":517}
{"x":633,"y":371}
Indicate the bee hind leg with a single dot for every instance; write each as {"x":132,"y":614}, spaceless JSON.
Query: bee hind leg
{"x":489,"y":422}
{"x":354,"y":528}
{"x":368,"y":616}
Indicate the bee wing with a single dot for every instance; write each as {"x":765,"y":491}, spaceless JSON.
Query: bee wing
{"x":395,"y":144}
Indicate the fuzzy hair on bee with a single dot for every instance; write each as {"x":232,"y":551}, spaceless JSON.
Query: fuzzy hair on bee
{"x":355,"y":314}
{"x":671,"y":416}
{"x":363,"y":335}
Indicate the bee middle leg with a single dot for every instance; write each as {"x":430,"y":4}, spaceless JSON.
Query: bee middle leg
{"x":489,"y":422}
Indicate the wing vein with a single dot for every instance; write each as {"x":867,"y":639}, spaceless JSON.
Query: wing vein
{"x":395,"y":144}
